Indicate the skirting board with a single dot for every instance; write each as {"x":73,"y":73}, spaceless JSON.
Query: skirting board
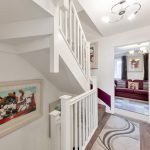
{"x":132,"y":115}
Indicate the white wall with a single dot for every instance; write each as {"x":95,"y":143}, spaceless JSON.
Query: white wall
{"x":106,"y":56}
{"x":34,"y":136}
{"x":136,"y":75}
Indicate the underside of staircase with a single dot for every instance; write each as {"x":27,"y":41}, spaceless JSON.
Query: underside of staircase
{"x":64,"y":79}
{"x":35,"y":36}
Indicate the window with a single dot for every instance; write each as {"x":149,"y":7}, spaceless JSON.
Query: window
{"x":118,"y":68}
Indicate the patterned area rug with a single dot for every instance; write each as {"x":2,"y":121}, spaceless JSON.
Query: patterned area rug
{"x":118,"y":134}
{"x":132,"y":105}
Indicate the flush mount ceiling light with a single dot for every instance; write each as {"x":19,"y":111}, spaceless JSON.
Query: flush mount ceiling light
{"x":131,"y":52}
{"x":120,"y":9}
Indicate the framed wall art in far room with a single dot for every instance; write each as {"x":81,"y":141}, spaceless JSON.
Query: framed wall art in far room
{"x":20,"y":104}
{"x":135,"y":64}
{"x":94,"y":55}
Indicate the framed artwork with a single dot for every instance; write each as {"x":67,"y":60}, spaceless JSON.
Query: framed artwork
{"x":20,"y":103}
{"x":94,"y":56}
{"x":135,"y":64}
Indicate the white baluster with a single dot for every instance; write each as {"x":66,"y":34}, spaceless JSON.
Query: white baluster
{"x":96,"y":100}
{"x":89,"y":113}
{"x":76,"y":126}
{"x":86,"y":117}
{"x":80,"y":126}
{"x":74,"y":22}
{"x":81,"y":48}
{"x":70,"y":24}
{"x":88,"y":61}
{"x":83,"y":55}
{"x":78,"y":43}
{"x":83,"y":115}
{"x":66,"y":24}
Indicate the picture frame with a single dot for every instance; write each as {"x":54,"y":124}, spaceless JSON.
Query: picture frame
{"x":135,"y":64}
{"x":20,"y":104}
{"x":94,"y":56}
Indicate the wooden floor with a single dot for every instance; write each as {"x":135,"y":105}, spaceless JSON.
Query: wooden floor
{"x":144,"y":133}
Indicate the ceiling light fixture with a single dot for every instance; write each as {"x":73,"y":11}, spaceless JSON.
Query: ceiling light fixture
{"x":120,"y":9}
{"x":106,"y":19}
{"x":131,"y":52}
{"x":131,"y":17}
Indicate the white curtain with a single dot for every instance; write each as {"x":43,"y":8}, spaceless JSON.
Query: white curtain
{"x":118,"y":68}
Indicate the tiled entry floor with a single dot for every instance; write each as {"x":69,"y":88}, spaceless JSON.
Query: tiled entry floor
{"x":132,"y":105}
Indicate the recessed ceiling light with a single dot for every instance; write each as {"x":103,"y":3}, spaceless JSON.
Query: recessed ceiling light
{"x":131,"y":52}
{"x":131,"y":17}
{"x":106,"y":19}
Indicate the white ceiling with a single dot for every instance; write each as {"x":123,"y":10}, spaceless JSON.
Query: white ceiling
{"x":19,"y":10}
{"x":64,"y":80}
{"x":90,"y":30}
{"x":133,"y":47}
{"x":96,"y":9}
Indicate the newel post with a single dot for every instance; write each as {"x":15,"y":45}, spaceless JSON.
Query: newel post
{"x":65,"y":123}
{"x":94,"y":82}
{"x":55,"y":129}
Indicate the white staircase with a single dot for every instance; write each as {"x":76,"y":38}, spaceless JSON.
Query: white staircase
{"x":79,"y":120}
{"x":72,"y":31}
{"x":67,"y":53}
{"x":49,"y":35}
{"x":40,"y":39}
{"x":77,"y":123}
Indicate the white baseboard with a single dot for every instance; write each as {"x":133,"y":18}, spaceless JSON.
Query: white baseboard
{"x":132,"y":115}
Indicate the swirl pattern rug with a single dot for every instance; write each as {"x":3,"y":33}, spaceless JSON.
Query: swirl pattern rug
{"x":118,"y":134}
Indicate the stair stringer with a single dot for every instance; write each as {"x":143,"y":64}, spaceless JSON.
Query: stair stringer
{"x":63,"y":80}
{"x":70,"y":61}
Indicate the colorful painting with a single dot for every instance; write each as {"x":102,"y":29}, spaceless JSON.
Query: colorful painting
{"x":20,"y":102}
{"x":135,"y":64}
{"x":17,"y":102}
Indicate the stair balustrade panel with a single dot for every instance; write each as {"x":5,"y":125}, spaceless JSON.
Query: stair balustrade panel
{"x":79,"y":120}
{"x":73,"y":34}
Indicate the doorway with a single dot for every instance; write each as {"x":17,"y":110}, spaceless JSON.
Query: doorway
{"x":131,"y":78}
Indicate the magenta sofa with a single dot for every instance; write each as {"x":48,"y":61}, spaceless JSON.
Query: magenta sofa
{"x":124,"y":91}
